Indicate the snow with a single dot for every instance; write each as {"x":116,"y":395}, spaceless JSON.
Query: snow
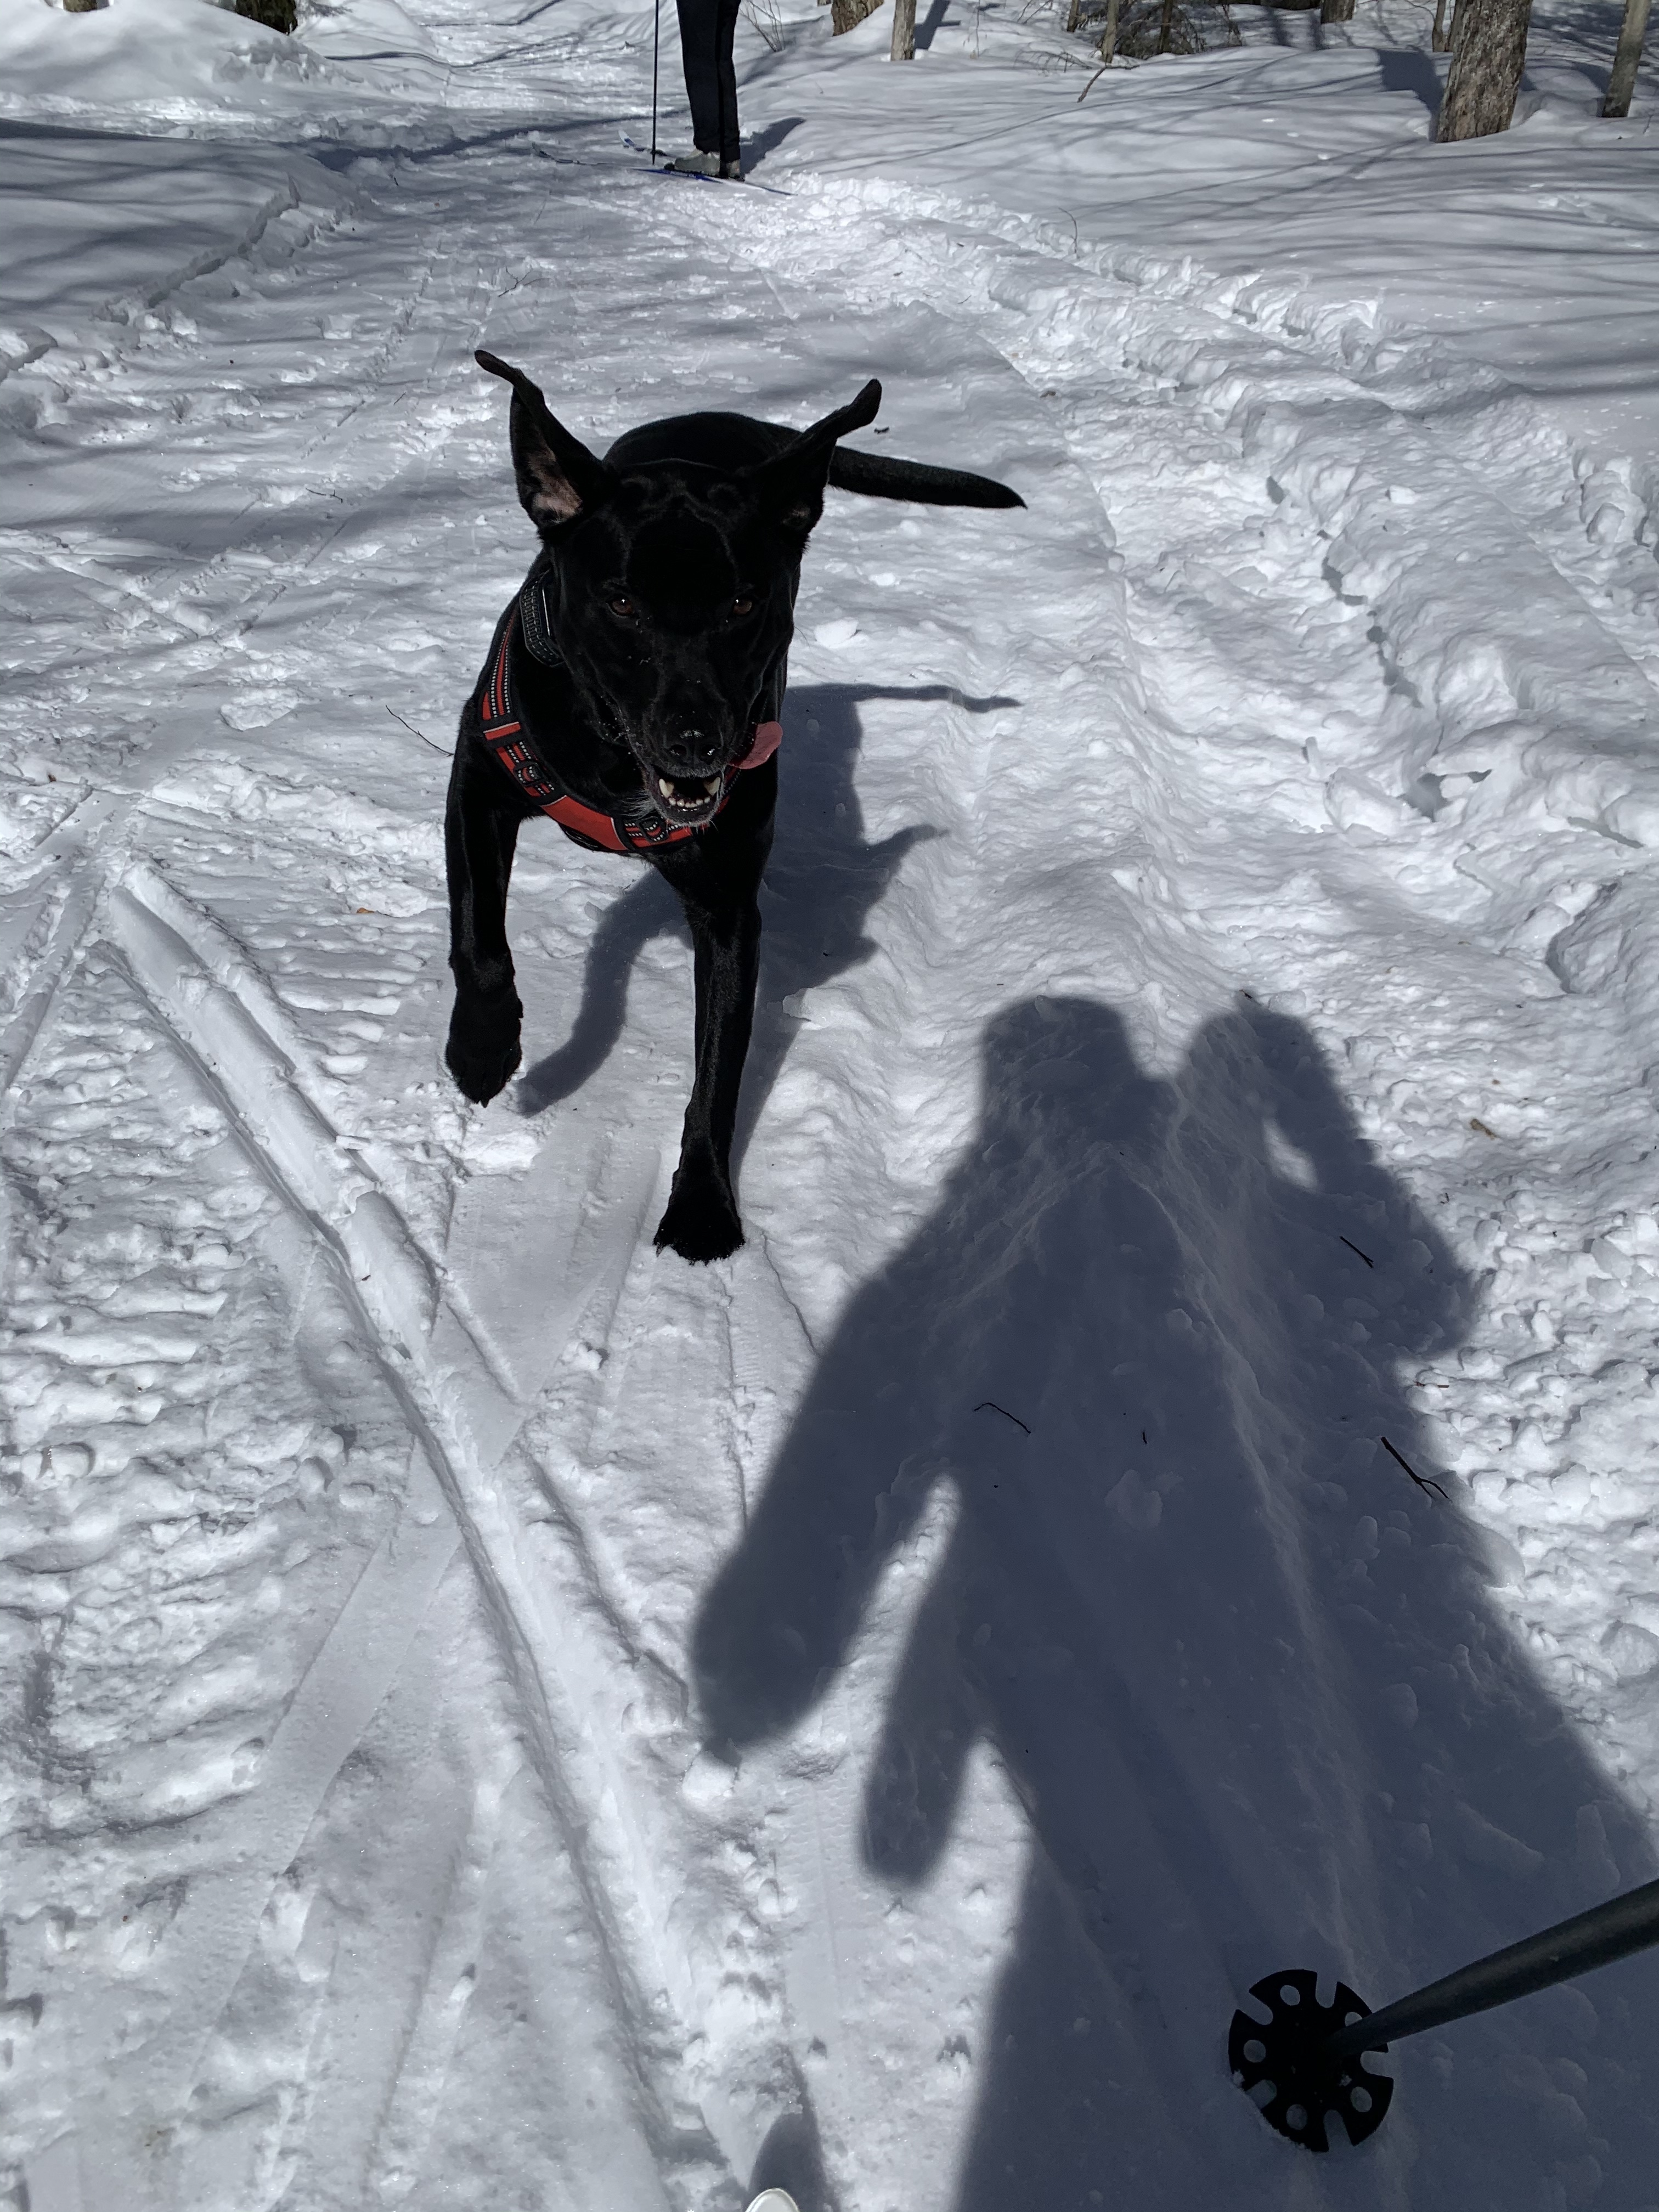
{"x":497,"y":1716}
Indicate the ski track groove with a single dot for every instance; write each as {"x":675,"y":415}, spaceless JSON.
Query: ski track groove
{"x":230,"y":1028}
{"x":366,"y":1244}
{"x":389,"y":1318}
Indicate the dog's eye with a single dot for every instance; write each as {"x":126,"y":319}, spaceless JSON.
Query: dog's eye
{"x":742,"y":607}
{"x":623,"y":606}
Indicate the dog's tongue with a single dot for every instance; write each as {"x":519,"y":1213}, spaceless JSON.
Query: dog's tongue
{"x":768,"y":736}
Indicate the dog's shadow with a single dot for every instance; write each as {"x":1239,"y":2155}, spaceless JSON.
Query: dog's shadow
{"x":823,"y":882}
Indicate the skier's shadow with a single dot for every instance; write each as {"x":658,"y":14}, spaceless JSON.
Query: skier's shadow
{"x":823,"y":881}
{"x":1246,"y":1678}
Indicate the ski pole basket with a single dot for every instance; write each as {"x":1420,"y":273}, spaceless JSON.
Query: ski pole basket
{"x":1308,"y":2054}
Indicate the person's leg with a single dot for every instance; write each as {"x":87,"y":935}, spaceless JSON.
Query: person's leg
{"x":731,"y":145}
{"x":699,"y":37}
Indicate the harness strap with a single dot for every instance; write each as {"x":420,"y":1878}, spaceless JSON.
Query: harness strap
{"x":638,"y":834}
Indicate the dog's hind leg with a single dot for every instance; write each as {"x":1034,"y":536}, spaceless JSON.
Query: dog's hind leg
{"x":718,"y":879}
{"x":481,"y":830}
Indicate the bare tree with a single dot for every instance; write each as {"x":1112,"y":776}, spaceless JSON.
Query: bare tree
{"x":1488,"y":50}
{"x":1439,"y":38}
{"x":1622,"y":82}
{"x":1135,"y":30}
{"x":763,"y":16}
{"x":904,"y":31}
{"x":846,"y":14}
{"x":1336,"y":11}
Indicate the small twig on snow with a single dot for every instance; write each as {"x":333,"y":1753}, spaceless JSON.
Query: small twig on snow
{"x":413,"y":731}
{"x":990,"y":1405}
{"x":1355,"y":1249}
{"x":1423,"y":1482}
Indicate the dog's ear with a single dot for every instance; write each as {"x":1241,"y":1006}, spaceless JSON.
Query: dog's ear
{"x":790,"y":486}
{"x":558,"y":478}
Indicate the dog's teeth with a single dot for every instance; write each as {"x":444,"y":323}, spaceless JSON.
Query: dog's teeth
{"x":664,"y":787}
{"x":711,"y":785}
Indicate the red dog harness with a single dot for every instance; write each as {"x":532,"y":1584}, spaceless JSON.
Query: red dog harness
{"x":636,"y":833}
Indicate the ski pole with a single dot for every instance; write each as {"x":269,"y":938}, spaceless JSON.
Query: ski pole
{"x":656,"y":48}
{"x":1309,"y":2053}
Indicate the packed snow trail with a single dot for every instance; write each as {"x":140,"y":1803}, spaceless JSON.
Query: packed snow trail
{"x":511,"y":1719}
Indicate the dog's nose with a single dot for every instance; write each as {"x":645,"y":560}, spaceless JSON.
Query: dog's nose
{"x":692,"y":752}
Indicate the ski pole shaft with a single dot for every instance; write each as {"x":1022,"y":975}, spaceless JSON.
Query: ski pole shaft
{"x":1613,"y":1930}
{"x":656,"y":49}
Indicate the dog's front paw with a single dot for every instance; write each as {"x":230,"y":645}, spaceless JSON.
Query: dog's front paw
{"x":481,"y":1057}
{"x":700,"y":1221}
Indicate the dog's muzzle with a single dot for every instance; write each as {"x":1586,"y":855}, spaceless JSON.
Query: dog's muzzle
{"x":689,"y":801}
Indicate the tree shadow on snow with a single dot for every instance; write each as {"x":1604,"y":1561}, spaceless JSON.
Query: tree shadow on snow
{"x":762,"y":143}
{"x":1401,"y":69}
{"x":937,"y":19}
{"x":823,"y":881}
{"x":1246,"y":1678}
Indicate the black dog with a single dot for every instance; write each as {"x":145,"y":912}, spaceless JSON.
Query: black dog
{"x":632,"y":692}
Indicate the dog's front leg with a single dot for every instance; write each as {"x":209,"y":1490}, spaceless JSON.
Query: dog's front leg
{"x":481,"y":829}
{"x":718,"y":876}
{"x":701,"y":1220}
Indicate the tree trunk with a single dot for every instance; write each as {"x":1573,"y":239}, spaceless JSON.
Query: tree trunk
{"x":845,"y":15}
{"x":1108,"y":41}
{"x":1439,"y":38}
{"x":1165,"y":28}
{"x":904,"y":31}
{"x":1074,"y":15}
{"x":1336,"y":11}
{"x":1622,"y":82}
{"x":1488,"y":50}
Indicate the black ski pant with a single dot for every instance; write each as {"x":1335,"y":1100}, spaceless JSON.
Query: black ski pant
{"x":707,"y":29}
